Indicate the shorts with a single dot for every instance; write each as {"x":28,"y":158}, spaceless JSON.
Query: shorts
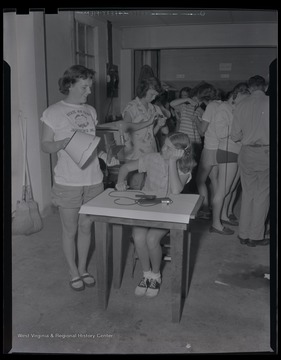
{"x":209,"y":157}
{"x":226,"y":157}
{"x":72,"y":197}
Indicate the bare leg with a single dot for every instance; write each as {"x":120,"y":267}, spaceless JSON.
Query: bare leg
{"x":84,"y":241}
{"x":139,"y":236}
{"x":201,"y":178}
{"x":153,"y":238}
{"x":230,"y":197}
{"x":214,"y":181}
{"x":69,"y":220}
{"x":227,"y":173}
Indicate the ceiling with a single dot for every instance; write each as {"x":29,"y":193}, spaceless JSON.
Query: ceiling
{"x":123,"y":18}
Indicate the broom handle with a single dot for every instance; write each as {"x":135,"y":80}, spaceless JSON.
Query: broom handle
{"x":28,"y":182}
{"x":23,"y":132}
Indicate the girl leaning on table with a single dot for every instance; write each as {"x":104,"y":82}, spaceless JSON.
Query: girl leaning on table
{"x":167,"y":172}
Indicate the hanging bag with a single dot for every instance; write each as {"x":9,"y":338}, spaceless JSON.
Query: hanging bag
{"x":27,"y":219}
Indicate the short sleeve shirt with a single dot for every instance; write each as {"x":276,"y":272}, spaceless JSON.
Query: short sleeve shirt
{"x":64,"y":119}
{"x":140,"y":142}
{"x":157,"y":173}
{"x":188,"y":112}
{"x":251,"y":120}
{"x":211,"y":142}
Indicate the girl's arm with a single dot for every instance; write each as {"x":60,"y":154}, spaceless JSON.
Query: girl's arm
{"x":164,"y":111}
{"x":123,"y":173}
{"x":161,"y":115}
{"x":130,"y":126}
{"x":48,"y":144}
{"x":201,"y":125}
{"x":161,"y":121}
{"x":236,"y":133}
{"x":177,"y":102}
{"x":177,"y":181}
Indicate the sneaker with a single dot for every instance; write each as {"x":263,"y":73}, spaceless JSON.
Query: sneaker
{"x":153,"y":287}
{"x":142,"y":287}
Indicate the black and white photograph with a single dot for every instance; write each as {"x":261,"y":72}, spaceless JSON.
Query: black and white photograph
{"x":122,"y":234}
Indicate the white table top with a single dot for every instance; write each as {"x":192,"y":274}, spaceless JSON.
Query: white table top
{"x":121,"y":204}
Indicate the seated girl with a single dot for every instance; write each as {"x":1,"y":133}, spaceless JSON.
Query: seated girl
{"x":167,"y":173}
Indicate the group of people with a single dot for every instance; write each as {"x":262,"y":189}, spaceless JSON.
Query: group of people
{"x":236,"y":150}
{"x":205,"y":145}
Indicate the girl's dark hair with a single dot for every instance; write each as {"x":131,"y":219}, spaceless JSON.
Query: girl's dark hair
{"x":181,"y":141}
{"x":239,"y":88}
{"x":146,"y":84}
{"x":184,"y":89}
{"x":220,"y":94}
{"x":145,"y":73}
{"x":72,"y":75}
{"x":257,"y":81}
{"x":204,"y":91}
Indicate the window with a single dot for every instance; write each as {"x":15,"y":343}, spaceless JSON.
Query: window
{"x":84,"y":45}
{"x":84,"y":50}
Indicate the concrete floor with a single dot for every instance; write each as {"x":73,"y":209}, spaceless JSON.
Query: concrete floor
{"x":227,"y":309}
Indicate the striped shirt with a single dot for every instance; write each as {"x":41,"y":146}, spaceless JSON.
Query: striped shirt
{"x":188,"y":113}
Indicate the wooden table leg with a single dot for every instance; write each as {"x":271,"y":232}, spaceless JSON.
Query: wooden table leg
{"x":102,"y":236}
{"x":117,"y":238}
{"x":176,"y":239}
{"x":188,"y":261}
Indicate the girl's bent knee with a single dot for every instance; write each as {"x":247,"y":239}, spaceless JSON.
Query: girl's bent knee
{"x":152,"y":242}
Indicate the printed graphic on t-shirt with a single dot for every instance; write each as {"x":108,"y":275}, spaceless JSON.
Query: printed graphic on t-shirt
{"x":80,"y":119}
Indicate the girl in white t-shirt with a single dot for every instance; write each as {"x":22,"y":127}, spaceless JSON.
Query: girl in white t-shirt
{"x":73,"y":186}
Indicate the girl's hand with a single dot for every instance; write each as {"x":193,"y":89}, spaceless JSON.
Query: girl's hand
{"x":152,"y":119}
{"x":62,"y":143}
{"x":165,"y":130}
{"x":176,"y":154}
{"x":161,"y":121}
{"x":121,"y":186}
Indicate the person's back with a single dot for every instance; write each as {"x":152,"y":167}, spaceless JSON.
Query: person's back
{"x":252,"y":114}
{"x":251,"y":126}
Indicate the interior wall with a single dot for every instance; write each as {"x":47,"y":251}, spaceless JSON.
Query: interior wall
{"x":127,"y":77}
{"x":200,"y":36}
{"x":222,"y":67}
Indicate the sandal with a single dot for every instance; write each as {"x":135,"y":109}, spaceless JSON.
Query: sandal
{"x":232,"y":217}
{"x":224,"y":231}
{"x":230,"y":222}
{"x":88,"y":280}
{"x":204,"y":215}
{"x":77,"y":280}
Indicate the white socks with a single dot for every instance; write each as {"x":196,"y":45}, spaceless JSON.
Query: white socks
{"x":147,"y":274}
{"x":151,"y":275}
